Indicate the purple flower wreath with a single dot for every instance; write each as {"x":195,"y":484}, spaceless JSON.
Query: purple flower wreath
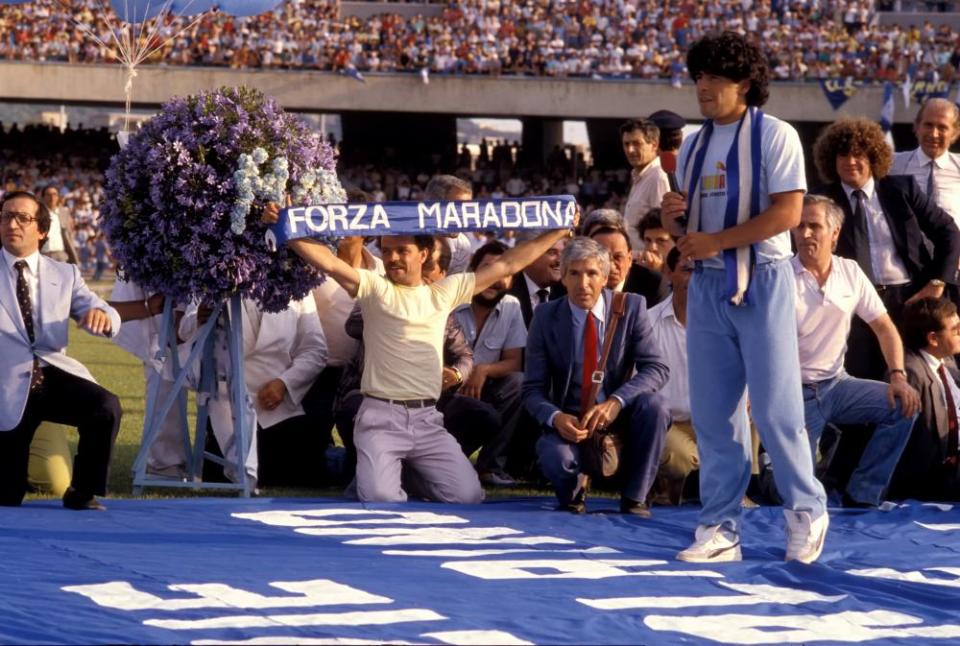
{"x":180,"y":213}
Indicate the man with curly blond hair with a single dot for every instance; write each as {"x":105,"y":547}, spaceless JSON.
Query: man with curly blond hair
{"x":907,"y":245}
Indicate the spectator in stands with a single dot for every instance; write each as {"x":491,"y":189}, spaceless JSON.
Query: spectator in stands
{"x":563,"y":349}
{"x":830,"y":290}
{"x":450,"y":187}
{"x":493,"y":326}
{"x":59,"y":242}
{"x":932,"y":165}
{"x":648,"y":182}
{"x":625,"y":275}
{"x":539,"y":282}
{"x":928,"y":469}
{"x":887,"y":221}
{"x":41,"y":381}
{"x":732,"y":347}
{"x":403,"y":326}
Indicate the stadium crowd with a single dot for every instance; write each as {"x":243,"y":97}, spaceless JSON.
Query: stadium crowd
{"x":561,"y":38}
{"x":619,"y":353}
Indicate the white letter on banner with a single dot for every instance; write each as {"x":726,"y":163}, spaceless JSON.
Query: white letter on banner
{"x":478,"y":637}
{"x":120,"y":595}
{"x":330,"y":517}
{"x":425,"y":211}
{"x":813,"y":627}
{"x":491,"y":219}
{"x":433,"y":536}
{"x":752,"y":595}
{"x":338,"y":217}
{"x":353,"y":618}
{"x":505,"y":207}
{"x":380,"y":218}
{"x":451,"y":217}
{"x":913,"y":577}
{"x":571,"y":213}
{"x":471,"y":213}
{"x":310,"y":212}
{"x":295,"y":216}
{"x":357,"y":221}
{"x":552,"y":213}
{"x":535,"y":222}
{"x":567,"y":569}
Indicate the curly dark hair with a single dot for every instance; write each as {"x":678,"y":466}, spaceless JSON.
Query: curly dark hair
{"x":860,"y":136}
{"x":731,"y":56}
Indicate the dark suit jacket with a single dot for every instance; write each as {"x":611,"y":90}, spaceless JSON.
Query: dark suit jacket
{"x":920,"y":473}
{"x":519,"y":289}
{"x":647,"y":283}
{"x":916,"y":224}
{"x":550,"y":357}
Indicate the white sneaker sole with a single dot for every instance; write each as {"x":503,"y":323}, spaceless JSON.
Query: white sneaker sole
{"x":722,"y":555}
{"x":818,"y":548}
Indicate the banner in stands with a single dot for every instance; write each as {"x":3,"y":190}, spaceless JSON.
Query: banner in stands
{"x":414,"y":218}
{"x":923,"y":90}
{"x":838,"y":90}
{"x":262,"y":571}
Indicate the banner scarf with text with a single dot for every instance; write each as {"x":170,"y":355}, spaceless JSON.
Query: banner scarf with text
{"x":426,"y":217}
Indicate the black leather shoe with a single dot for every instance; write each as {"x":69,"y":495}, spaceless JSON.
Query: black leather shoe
{"x":579,"y":503}
{"x":634,"y":508}
{"x":73,"y":499}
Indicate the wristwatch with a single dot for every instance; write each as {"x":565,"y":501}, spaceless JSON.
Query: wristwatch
{"x":893,"y":371}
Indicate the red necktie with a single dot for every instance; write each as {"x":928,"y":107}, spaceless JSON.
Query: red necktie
{"x":952,"y":430}
{"x":589,"y":362}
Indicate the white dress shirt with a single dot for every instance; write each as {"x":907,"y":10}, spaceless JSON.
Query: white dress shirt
{"x":946,"y":177}
{"x":824,"y":315}
{"x":646,"y":192}
{"x":671,"y":337}
{"x":532,"y":289}
{"x":888,"y":268}
{"x":934,"y":364}
{"x":30,"y":273}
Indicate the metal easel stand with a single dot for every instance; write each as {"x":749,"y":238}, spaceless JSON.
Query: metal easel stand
{"x":157,"y":411}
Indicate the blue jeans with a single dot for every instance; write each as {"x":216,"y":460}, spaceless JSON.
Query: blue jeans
{"x":847,"y":400}
{"x":730,"y":350}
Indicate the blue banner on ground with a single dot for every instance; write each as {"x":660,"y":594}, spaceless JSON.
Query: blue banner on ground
{"x":262,"y":571}
{"x":414,"y":218}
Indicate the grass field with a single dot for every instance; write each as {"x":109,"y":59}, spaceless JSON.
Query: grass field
{"x":122,"y":373}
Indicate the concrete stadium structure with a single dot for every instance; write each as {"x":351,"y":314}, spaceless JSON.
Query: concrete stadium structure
{"x":398,"y":110}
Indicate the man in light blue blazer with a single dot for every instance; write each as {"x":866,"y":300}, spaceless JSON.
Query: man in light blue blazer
{"x":559,"y":370}
{"x":38,"y":381}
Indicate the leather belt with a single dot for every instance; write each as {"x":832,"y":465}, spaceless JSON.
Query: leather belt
{"x":406,"y":403}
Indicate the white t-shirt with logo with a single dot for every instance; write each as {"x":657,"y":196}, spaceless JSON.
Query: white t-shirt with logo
{"x":781,"y":171}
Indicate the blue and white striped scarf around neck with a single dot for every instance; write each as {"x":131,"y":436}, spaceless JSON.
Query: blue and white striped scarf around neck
{"x":744,"y":163}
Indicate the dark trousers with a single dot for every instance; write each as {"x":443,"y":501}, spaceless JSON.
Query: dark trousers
{"x":504,"y":394}
{"x":318,"y":403}
{"x":63,"y":399}
{"x":643,"y":429}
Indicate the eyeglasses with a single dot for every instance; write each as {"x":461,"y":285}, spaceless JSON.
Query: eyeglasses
{"x":23,"y":219}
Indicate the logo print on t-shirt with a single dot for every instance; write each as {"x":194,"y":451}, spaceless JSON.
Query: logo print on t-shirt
{"x":715,"y":183}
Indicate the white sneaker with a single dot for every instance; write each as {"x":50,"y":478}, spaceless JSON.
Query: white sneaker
{"x":713,"y":544}
{"x":805,"y":537}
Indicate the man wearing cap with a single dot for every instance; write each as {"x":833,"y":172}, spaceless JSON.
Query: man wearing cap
{"x":671,"y":127}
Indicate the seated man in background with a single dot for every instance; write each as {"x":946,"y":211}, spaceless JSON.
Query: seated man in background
{"x":563,"y":354}
{"x":830,"y":290}
{"x":493,"y":326}
{"x":928,"y":469}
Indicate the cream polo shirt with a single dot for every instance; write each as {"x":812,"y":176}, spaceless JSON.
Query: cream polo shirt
{"x":646,"y":192}
{"x":403,"y":333}
{"x":824,"y":315}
